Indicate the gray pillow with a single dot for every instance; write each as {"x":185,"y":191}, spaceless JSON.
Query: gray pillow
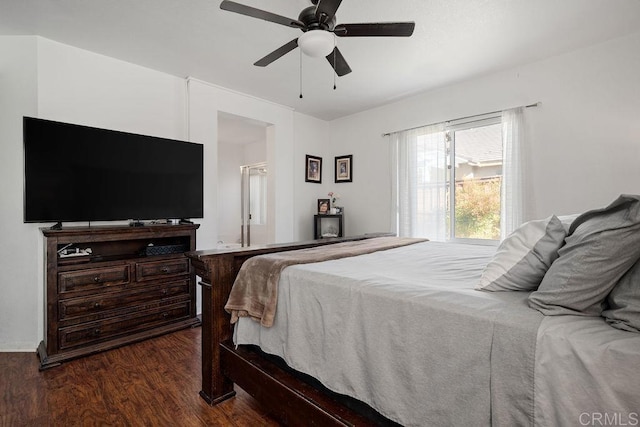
{"x":567,"y":220}
{"x":524,"y":256}
{"x":601,"y":247}
{"x":624,"y":302}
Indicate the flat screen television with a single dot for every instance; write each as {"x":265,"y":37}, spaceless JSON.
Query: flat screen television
{"x":80,"y":173}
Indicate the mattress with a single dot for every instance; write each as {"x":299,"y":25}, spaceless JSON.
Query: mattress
{"x":404,"y":331}
{"x":377,"y":327}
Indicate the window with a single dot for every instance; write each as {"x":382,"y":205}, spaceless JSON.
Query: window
{"x":451,"y":181}
{"x":476,"y":156}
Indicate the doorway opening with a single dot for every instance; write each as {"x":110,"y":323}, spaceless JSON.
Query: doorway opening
{"x":254,"y":204}
{"x":242,"y":144}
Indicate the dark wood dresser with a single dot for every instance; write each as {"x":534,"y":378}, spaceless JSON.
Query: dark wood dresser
{"x":107,"y":286}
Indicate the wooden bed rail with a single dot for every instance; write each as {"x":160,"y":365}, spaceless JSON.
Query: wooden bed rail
{"x":217,"y":270}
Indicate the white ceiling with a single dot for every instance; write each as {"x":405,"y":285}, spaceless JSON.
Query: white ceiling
{"x":454,"y":40}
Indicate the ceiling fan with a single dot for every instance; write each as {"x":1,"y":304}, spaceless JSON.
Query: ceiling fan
{"x":318,"y":23}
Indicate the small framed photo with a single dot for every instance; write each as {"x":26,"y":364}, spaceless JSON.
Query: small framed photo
{"x":313,"y":169}
{"x":344,"y":168}
{"x":323,"y":206}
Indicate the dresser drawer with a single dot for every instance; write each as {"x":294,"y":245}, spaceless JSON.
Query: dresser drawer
{"x":94,"y":332}
{"x":93,"y":279}
{"x":92,"y":308}
{"x":159,"y":269}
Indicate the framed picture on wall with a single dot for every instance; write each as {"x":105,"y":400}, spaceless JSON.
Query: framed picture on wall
{"x":323,"y":206}
{"x":344,"y":168}
{"x":313,"y":169}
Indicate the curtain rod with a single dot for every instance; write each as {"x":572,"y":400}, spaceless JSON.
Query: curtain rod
{"x":461,"y":118}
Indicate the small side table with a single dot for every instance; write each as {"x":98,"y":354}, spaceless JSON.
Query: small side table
{"x":327,"y":225}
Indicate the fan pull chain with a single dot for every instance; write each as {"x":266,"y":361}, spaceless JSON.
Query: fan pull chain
{"x":300,"y":73}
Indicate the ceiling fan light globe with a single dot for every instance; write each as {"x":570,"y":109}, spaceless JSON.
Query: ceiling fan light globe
{"x":316,"y":43}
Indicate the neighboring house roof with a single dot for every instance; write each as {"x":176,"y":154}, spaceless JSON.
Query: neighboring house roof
{"x":479,"y":146}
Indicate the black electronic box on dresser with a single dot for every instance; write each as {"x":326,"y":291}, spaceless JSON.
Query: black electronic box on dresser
{"x":106,"y":286}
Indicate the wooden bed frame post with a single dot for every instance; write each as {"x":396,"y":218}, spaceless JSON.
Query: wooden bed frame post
{"x":289,"y":399}
{"x":217,"y":279}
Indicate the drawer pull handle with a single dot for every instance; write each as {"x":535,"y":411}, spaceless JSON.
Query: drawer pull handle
{"x":165,"y":291}
{"x":165,"y":269}
{"x":96,"y":305}
{"x":165,"y":315}
{"x":96,"y":331}
{"x":96,"y":279}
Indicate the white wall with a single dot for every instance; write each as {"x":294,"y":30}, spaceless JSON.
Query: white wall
{"x":50,"y":80}
{"x":20,"y":263}
{"x":312,"y":137}
{"x":205,"y":101}
{"x":43,"y":78}
{"x":583,"y":141}
{"x":82,"y":87}
{"x":255,"y":152}
{"x":231,"y":157}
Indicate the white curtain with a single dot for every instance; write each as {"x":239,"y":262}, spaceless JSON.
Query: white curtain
{"x":512,"y":198}
{"x":258,"y":198}
{"x":419,"y":182}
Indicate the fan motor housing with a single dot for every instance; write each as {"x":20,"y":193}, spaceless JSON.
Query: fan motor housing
{"x":308,"y":17}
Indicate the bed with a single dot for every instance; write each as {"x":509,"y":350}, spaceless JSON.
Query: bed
{"x":431,"y":333}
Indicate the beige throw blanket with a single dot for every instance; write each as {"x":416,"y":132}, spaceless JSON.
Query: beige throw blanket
{"x":255,"y":290}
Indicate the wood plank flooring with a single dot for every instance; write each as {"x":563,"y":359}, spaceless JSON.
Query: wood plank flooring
{"x":152,"y":383}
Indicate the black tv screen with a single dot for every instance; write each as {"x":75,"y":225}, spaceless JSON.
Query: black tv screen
{"x":81,"y":173}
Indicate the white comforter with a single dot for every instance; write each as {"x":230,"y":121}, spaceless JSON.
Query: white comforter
{"x":404,"y":331}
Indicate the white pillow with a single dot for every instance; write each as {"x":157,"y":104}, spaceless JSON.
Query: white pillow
{"x":523,"y":258}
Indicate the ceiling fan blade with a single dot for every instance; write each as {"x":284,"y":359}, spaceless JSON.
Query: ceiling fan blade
{"x":232,"y":6}
{"x":279,"y":52}
{"x":326,"y":9}
{"x":378,"y":29}
{"x":338,"y":62}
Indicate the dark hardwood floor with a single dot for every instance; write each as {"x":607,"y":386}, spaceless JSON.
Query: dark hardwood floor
{"x":152,"y":383}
